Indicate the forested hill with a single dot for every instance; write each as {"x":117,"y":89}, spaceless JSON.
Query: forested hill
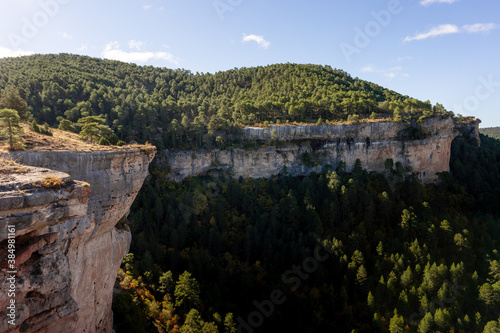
{"x":178,"y":108}
{"x":493,"y":132}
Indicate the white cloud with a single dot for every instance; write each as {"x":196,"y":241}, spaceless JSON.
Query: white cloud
{"x":390,"y":73}
{"x":83,"y":47}
{"x":401,"y":59}
{"x":258,"y":39}
{"x":135,"y":44}
{"x":430,"y":2}
{"x":368,"y":69}
{"x":443,"y":29}
{"x":480,"y":27}
{"x":65,"y":35}
{"x":6,"y":52}
{"x":447,"y":29}
{"x":113,"y":51}
{"x":147,"y":7}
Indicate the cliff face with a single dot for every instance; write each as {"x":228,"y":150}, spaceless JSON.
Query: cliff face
{"x":470,"y":128}
{"x":371,"y":143}
{"x":68,"y":247}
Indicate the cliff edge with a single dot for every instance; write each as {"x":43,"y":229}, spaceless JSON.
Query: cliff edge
{"x":61,"y":212}
{"x":424,"y":148}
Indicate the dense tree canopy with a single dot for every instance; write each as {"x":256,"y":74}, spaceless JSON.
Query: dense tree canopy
{"x":349,"y":251}
{"x":178,"y":108}
{"x":11,"y":99}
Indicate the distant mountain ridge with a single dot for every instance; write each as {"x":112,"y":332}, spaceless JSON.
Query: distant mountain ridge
{"x":493,"y":132}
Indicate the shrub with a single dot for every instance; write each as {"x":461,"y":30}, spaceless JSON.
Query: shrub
{"x":34,"y":127}
{"x":9,"y":166}
{"x":66,"y":125}
{"x":353,"y":118}
{"x":45,"y":130}
{"x":51,"y":182}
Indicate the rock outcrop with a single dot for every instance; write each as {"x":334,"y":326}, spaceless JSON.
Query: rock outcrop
{"x":68,"y":245}
{"x":311,"y":147}
{"x":469,"y":127}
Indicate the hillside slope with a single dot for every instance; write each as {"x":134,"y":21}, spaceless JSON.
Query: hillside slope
{"x":493,"y":132}
{"x":178,"y":108}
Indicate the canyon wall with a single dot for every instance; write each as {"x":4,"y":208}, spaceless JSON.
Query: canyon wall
{"x":311,"y":147}
{"x":68,"y":244}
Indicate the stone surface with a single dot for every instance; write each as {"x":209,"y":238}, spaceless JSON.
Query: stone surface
{"x":470,"y":128}
{"x":68,"y":248}
{"x":372,"y":143}
{"x":376,"y":131}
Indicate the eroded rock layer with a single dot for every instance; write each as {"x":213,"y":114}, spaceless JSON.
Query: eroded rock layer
{"x":371,"y":143}
{"x":68,"y":245}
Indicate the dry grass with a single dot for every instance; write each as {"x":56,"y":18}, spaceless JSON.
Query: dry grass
{"x":60,"y":140}
{"x":326,"y":122}
{"x":52,"y":182}
{"x":9,"y":166}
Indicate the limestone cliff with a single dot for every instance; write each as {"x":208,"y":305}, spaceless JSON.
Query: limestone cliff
{"x":372,"y":143}
{"x":68,"y":246}
{"x":469,"y":127}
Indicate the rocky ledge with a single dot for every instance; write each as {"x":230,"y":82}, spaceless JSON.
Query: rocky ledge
{"x":310,"y":148}
{"x":68,"y":247}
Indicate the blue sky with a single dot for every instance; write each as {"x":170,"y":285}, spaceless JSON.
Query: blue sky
{"x":445,"y":51}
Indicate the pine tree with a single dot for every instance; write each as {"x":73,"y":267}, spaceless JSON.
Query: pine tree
{"x":187,"y":291}
{"x":229,"y":325}
{"x":361,"y":276}
{"x":492,"y":327}
{"x":66,"y":125}
{"x":441,"y":318}
{"x":12,"y":100}
{"x":380,"y":248}
{"x":11,"y":128}
{"x":166,"y":282}
{"x":396,"y":323}
{"x":34,"y":126}
{"x":371,"y":300}
{"x":209,"y":327}
{"x":407,"y":277}
{"x":94,"y":130}
{"x":488,"y":295}
{"x":426,"y":323}
{"x":494,"y":271}
{"x":193,"y":323}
